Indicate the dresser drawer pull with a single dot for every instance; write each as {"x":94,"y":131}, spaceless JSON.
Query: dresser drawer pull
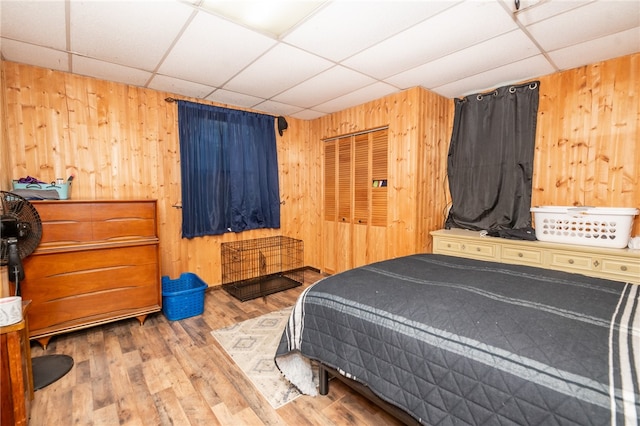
{"x":477,"y":248}
{"x":596,"y":263}
{"x":449,"y":245}
{"x":623,"y":268}
{"x":463,"y":247}
{"x":571,"y":261}
{"x":520,"y":255}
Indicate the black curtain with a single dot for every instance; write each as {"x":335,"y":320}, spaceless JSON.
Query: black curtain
{"x":490,"y":162}
{"x":229,"y":170}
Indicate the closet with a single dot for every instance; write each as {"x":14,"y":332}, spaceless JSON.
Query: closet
{"x":355,"y":199}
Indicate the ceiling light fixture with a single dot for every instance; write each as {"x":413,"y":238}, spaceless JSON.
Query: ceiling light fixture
{"x":271,"y":16}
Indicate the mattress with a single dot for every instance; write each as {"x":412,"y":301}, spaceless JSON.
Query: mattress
{"x":460,"y":341}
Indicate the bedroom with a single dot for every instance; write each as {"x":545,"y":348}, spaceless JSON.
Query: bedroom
{"x":58,"y":123}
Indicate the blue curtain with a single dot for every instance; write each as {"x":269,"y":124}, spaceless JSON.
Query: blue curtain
{"x":229,"y":170}
{"x":490,"y":162}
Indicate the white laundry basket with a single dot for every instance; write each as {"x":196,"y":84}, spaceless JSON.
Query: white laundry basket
{"x":588,"y":226}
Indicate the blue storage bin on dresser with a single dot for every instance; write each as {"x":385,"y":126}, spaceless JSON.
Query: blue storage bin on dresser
{"x":183,"y":297}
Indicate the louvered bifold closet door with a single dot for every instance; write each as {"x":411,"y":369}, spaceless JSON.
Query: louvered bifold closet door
{"x":379,"y":169}
{"x":355,"y":200}
{"x":330,"y":187}
{"x":344,"y":180}
{"x":330,"y":181}
{"x":361,"y":179}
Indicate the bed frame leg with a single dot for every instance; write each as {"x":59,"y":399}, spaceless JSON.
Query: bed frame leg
{"x":323,"y":379}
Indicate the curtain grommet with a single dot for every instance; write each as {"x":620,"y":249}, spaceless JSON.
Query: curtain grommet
{"x":479,"y":97}
{"x":512,"y":89}
{"x":533,"y":86}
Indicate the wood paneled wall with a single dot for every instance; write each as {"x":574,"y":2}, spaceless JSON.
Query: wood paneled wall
{"x":588,"y":137}
{"x":121,"y":142}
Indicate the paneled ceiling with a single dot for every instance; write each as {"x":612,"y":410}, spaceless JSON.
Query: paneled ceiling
{"x":306,"y":59}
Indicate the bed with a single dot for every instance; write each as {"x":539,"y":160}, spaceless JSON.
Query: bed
{"x":449,"y":340}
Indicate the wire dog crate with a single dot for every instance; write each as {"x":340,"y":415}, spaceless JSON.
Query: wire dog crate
{"x":262,"y":266}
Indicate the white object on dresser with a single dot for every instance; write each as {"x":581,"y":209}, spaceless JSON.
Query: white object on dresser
{"x":590,"y":226}
{"x":10,"y":310}
{"x":609,"y":263}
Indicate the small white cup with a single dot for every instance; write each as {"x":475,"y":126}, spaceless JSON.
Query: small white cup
{"x":10,"y":310}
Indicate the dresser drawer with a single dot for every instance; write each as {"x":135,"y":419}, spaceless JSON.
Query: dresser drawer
{"x":623,"y":269}
{"x":472,"y":249}
{"x":573,"y":262}
{"x":522,"y":255}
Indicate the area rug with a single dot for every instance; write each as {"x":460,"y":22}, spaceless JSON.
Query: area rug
{"x":252,"y":344}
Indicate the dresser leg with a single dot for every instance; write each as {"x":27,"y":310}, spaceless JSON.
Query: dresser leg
{"x":44,"y":341}
{"x":141,"y":318}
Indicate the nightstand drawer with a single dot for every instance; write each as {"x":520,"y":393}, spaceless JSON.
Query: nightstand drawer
{"x":520,"y":255}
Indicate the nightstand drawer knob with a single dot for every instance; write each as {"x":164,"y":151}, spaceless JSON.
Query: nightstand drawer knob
{"x":571,"y":261}
{"x":623,"y":268}
{"x":520,"y":255}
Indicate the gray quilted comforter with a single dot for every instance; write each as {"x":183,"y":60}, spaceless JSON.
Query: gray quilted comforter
{"x":458,"y":341}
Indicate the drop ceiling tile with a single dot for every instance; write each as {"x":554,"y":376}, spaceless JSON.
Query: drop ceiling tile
{"x":601,"y":49}
{"x":233,"y":98}
{"x":344,"y":28}
{"x":524,"y":70}
{"x":276,"y":108}
{"x":180,"y":87}
{"x":308,"y":114}
{"x":499,"y":51}
{"x":279,"y":69}
{"x":126,"y":32}
{"x":25,"y":53}
{"x":330,"y":84}
{"x":539,"y":10}
{"x":107,"y":71}
{"x":596,"y":19}
{"x":215,"y":50}
{"x":37,"y":22}
{"x":374,"y":91}
{"x":433,"y":38}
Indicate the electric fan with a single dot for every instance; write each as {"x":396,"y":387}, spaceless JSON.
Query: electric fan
{"x":21,"y":232}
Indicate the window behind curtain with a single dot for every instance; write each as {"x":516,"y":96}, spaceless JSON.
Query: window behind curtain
{"x":490,"y":163}
{"x":229,"y":170}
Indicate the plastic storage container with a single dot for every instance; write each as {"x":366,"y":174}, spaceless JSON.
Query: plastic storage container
{"x":589,"y":226}
{"x":183,"y":297}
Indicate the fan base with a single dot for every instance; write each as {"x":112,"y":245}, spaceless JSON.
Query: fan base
{"x":49,"y":368}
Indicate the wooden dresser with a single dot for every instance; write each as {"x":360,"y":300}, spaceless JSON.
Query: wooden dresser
{"x":97,"y":262}
{"x":613,"y":264}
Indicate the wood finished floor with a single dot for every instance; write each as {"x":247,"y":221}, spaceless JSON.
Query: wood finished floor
{"x":176,"y":373}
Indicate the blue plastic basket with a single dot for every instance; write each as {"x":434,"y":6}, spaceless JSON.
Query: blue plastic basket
{"x":183,"y":297}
